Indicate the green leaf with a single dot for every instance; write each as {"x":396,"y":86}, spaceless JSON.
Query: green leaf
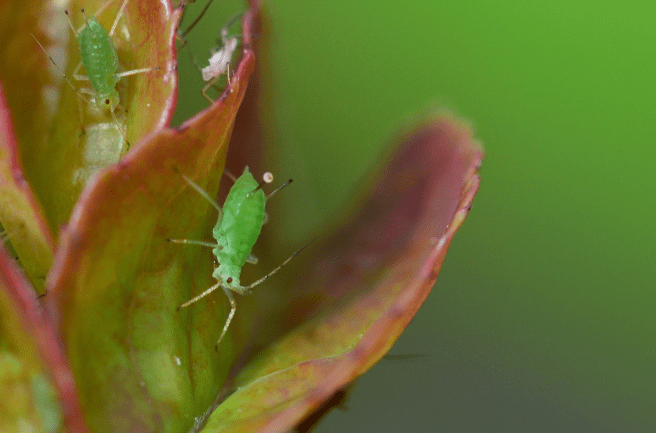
{"x":116,"y":281}
{"x":20,"y":213}
{"x":37,"y":386}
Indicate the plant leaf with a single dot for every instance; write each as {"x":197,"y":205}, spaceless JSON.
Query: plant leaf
{"x":79,"y":140}
{"x":116,"y":281}
{"x":20,"y":213}
{"x":35,"y":380}
{"x":23,"y":84}
{"x":370,"y":279}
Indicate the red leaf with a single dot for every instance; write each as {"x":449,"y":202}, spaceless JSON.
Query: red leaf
{"x":369,"y":281}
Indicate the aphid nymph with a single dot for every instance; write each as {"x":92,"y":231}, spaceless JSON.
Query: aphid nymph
{"x":236,"y":231}
{"x":220,"y":60}
{"x":101,"y":63}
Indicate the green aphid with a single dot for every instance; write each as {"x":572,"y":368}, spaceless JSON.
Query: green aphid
{"x":236,"y":231}
{"x":101,"y":63}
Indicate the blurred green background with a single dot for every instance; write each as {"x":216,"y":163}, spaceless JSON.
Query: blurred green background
{"x":543,"y":317}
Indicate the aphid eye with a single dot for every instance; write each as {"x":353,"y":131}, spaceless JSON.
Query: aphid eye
{"x":106,"y":101}
{"x":229,"y":280}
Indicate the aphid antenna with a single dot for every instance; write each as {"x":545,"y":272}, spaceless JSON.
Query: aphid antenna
{"x":266,"y":178}
{"x":202,"y":192}
{"x":280,"y":266}
{"x":70,"y":23}
{"x":231,"y":176}
{"x":279,"y":188}
{"x":77,"y":92}
{"x":232,"y":20}
{"x":84,"y":14}
{"x":99,"y":11}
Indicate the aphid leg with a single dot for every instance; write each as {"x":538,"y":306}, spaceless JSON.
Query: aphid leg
{"x":251,"y":259}
{"x":209,"y":84}
{"x":136,"y":71}
{"x":194,"y":242}
{"x":228,"y":73}
{"x":233,"y":308}
{"x":182,"y":36}
{"x":279,"y":188}
{"x":225,"y":30}
{"x":80,"y":112}
{"x":120,"y":131}
{"x":119,"y":14}
{"x":102,"y":8}
{"x":194,"y":61}
{"x":201,"y":296}
{"x":79,"y":77}
{"x":202,"y":192}
{"x":280,"y":266}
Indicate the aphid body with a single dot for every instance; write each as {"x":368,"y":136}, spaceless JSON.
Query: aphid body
{"x":101,"y":63}
{"x":100,"y":60}
{"x":220,"y":60}
{"x":238,"y":230}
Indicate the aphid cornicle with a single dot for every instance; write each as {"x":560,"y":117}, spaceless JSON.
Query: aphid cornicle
{"x":236,"y":231}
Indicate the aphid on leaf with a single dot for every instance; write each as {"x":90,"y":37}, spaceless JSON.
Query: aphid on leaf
{"x":219,"y":62}
{"x":101,"y":63}
{"x":236,"y":231}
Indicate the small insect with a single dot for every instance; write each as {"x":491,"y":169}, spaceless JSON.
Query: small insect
{"x":101,"y":63}
{"x":219,"y":62}
{"x":236,"y":231}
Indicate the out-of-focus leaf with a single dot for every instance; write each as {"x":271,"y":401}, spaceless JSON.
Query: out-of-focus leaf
{"x":19,"y":211}
{"x":24,"y":71}
{"x":35,"y":381}
{"x":369,"y":281}
{"x":78,"y":140}
{"x":116,"y":282}
{"x":26,"y":87}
